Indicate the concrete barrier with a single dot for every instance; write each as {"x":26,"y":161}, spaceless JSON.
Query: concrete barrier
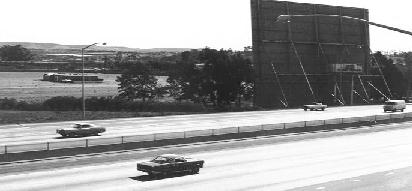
{"x":199,"y":133}
{"x":251,"y":128}
{"x":382,"y":117}
{"x":295,"y":124}
{"x":397,"y":116}
{"x":267,"y":127}
{"x":315,"y":123}
{"x":226,"y":130}
{"x":333,"y":121}
{"x":138,"y":138}
{"x":67,"y":144}
{"x":171,"y":135}
{"x":105,"y":141}
{"x":350,"y":120}
{"x":367,"y":118}
{"x":26,"y":147}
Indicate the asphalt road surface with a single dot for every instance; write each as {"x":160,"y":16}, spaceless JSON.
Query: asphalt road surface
{"x":46,"y":132}
{"x":315,"y":164}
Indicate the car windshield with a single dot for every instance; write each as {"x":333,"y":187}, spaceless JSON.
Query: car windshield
{"x":79,"y":126}
{"x":390,"y":103}
{"x":161,"y":159}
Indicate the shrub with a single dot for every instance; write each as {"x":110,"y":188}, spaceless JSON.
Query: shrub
{"x":63,"y":103}
{"x":8,"y":104}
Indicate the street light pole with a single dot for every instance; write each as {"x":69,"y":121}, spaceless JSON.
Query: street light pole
{"x":83,"y":98}
{"x":287,"y":18}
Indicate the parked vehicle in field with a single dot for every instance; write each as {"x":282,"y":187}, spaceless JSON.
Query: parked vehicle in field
{"x":315,"y":106}
{"x":394,"y":105}
{"x":170,"y":163}
{"x":80,"y":129}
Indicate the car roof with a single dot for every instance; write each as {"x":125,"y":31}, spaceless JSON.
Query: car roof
{"x":83,"y":124}
{"x":395,"y":100}
{"x":171,"y":156}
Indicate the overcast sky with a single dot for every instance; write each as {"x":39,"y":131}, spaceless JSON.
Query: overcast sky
{"x":171,"y":23}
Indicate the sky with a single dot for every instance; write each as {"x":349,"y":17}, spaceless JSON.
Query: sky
{"x":171,"y":23}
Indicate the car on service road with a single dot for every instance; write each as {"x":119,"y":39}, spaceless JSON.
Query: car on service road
{"x":315,"y":106}
{"x":80,"y":129}
{"x":394,"y":105}
{"x":170,"y":163}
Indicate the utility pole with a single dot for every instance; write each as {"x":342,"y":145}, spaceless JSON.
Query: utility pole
{"x":351,"y":90}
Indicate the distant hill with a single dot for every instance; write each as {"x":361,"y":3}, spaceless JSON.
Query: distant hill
{"x":54,"y":46}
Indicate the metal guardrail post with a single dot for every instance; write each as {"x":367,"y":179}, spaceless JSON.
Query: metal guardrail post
{"x":238,"y":130}
{"x":213,"y":132}
{"x":48,"y":146}
{"x":122,"y":139}
{"x":305,"y":124}
{"x":284,"y":125}
{"x":5,"y":149}
{"x":154,"y":137}
{"x":87,"y":143}
{"x":184,"y":134}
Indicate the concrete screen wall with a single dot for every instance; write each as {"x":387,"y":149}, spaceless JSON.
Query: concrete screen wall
{"x":329,"y":49}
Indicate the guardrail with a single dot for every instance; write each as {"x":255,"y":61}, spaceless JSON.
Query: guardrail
{"x":98,"y":141}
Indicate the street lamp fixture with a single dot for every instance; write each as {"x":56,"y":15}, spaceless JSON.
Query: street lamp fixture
{"x":83,"y":98}
{"x":288,"y":18}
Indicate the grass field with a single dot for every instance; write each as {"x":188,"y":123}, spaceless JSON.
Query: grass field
{"x":21,"y":117}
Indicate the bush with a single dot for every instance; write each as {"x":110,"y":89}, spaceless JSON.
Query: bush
{"x":112,"y":104}
{"x":24,"y":106}
{"x":63,"y":103}
{"x":8,"y":104}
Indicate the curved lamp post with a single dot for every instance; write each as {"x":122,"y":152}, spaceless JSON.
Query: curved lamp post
{"x":83,"y":98}
{"x":288,"y":18}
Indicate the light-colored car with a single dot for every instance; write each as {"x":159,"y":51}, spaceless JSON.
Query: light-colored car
{"x":80,"y":129}
{"x":315,"y":106}
{"x":394,"y":105}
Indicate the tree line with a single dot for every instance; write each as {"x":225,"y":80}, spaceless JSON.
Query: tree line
{"x":211,"y":77}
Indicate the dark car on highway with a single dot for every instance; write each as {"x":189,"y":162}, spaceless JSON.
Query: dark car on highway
{"x":80,"y":129}
{"x":170,"y":163}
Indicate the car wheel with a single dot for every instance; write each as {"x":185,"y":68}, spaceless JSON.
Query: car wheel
{"x":305,"y":109}
{"x":401,"y":110}
{"x":323,"y":109}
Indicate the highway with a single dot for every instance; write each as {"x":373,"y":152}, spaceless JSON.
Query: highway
{"x":317,"y":163}
{"x":46,"y":132}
